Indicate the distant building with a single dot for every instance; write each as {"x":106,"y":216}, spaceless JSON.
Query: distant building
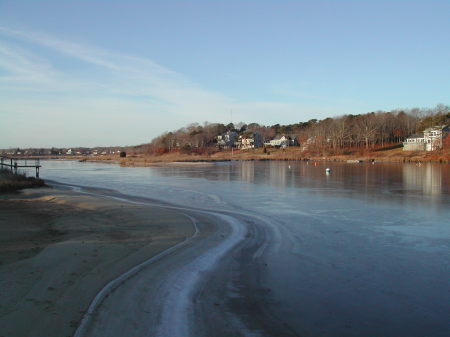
{"x":281,"y":141}
{"x":250,"y":140}
{"x":228,"y":139}
{"x":414,"y":142}
{"x":431,"y":140}
{"x":309,"y":143}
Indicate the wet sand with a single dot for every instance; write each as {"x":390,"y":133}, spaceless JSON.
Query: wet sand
{"x":59,"y":248}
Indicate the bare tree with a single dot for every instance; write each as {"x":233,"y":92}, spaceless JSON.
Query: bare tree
{"x":366,"y":129}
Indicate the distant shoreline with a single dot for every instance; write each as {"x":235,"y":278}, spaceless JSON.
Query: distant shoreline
{"x":396,"y":155}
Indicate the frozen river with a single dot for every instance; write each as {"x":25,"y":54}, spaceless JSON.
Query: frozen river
{"x":362,"y":251}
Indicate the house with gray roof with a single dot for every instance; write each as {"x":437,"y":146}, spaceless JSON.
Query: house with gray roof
{"x":228,"y":139}
{"x":431,"y":140}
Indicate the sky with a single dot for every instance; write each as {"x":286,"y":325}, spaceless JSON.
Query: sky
{"x":101,"y":73}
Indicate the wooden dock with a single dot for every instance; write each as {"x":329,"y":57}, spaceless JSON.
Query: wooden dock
{"x":12,"y":164}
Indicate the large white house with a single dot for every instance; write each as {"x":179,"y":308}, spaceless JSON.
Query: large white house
{"x":228,"y":139}
{"x":431,"y":140}
{"x":250,"y":140}
{"x":280,"y":141}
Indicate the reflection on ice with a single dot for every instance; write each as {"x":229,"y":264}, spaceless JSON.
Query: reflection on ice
{"x":426,"y":177}
{"x":384,"y":183}
{"x":381,"y":183}
{"x":247,"y":171}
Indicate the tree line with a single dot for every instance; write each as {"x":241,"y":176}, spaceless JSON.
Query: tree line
{"x":369,"y":130}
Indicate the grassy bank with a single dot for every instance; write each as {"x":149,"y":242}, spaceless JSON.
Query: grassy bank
{"x":388,"y":154}
{"x":10,"y":182}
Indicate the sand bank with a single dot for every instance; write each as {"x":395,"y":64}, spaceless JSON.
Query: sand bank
{"x":59,"y":248}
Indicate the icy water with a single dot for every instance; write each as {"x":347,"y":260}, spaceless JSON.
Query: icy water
{"x":361,"y":251}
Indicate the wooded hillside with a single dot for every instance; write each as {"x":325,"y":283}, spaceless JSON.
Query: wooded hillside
{"x":369,"y":130}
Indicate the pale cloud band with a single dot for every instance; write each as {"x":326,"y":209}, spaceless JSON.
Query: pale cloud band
{"x":109,"y":98}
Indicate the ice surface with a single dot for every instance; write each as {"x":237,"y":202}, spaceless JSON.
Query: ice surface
{"x":362,"y":251}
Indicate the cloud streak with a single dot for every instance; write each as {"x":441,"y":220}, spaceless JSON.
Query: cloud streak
{"x":122,"y":74}
{"x":71,"y":85}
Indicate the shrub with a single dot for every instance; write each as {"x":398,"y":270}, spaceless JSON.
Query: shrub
{"x":160,"y":150}
{"x":12,"y":182}
{"x":186,"y":149}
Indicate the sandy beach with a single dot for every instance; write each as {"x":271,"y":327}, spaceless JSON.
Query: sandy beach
{"x":58,"y":248}
{"x":98,"y":263}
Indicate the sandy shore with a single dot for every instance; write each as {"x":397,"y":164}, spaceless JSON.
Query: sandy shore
{"x":59,"y":248}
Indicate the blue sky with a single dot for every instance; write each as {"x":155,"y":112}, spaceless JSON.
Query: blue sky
{"x":93,"y":73}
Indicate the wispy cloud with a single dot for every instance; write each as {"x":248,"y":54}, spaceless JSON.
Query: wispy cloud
{"x":67,"y":83}
{"x":119,"y":92}
{"x":118,"y":74}
{"x":22,"y":66}
{"x":113,"y":61}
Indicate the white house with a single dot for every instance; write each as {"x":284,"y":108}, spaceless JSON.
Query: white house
{"x":431,"y":140}
{"x":280,"y":141}
{"x":414,"y":142}
{"x":228,"y":139}
{"x":250,"y":140}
